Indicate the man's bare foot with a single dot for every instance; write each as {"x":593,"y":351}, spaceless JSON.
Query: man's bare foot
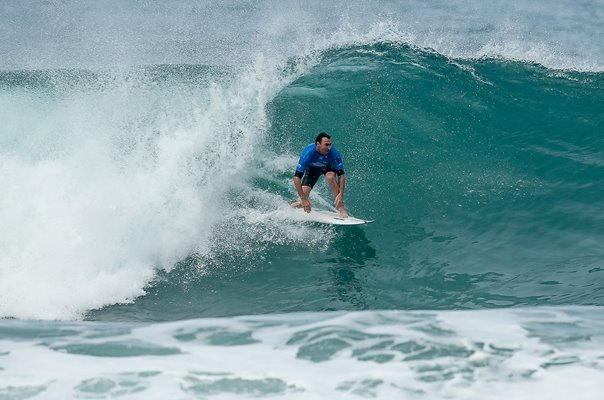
{"x":343,"y":212}
{"x":296,"y":204}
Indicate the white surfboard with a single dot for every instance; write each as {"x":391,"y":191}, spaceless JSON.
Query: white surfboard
{"x":328,"y":217}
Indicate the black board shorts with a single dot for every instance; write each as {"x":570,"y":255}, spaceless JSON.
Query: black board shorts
{"x":312,"y":174}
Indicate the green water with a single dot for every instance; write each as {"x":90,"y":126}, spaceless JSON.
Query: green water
{"x":482,"y":175}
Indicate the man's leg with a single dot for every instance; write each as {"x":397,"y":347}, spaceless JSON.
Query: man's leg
{"x":333,"y":184}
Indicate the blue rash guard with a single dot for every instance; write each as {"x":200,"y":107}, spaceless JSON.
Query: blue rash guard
{"x":313,"y":164}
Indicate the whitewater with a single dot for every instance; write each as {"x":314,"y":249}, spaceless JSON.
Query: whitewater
{"x":146,"y":161}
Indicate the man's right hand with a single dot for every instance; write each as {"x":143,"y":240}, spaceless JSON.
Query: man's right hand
{"x":305,"y":204}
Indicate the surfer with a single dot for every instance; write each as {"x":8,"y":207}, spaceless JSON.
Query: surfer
{"x":320,"y":158}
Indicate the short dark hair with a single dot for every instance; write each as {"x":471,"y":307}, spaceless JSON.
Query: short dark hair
{"x":320,"y":137}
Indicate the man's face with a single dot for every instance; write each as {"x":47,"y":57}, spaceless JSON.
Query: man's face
{"x":324,"y":146}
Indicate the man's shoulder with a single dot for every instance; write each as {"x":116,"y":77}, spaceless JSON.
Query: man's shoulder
{"x":334,"y":151}
{"x":308,"y":149}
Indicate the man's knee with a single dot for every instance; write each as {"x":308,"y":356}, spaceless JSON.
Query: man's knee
{"x":330,"y":176}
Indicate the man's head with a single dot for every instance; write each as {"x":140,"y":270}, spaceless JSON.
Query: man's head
{"x":323,"y":143}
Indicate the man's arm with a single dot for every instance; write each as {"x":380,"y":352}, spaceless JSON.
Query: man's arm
{"x":298,"y":185}
{"x":303,"y":196}
{"x":340,"y":196}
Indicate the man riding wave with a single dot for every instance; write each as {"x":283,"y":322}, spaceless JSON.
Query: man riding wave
{"x":320,"y":158}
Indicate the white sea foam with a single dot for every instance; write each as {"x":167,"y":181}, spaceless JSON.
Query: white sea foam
{"x":546,"y":353}
{"x":102,"y":186}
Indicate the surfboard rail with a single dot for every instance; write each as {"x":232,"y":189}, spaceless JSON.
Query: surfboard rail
{"x":328,"y":217}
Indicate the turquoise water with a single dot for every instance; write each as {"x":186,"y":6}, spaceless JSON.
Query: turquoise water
{"x":146,"y":167}
{"x":482,"y":177}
